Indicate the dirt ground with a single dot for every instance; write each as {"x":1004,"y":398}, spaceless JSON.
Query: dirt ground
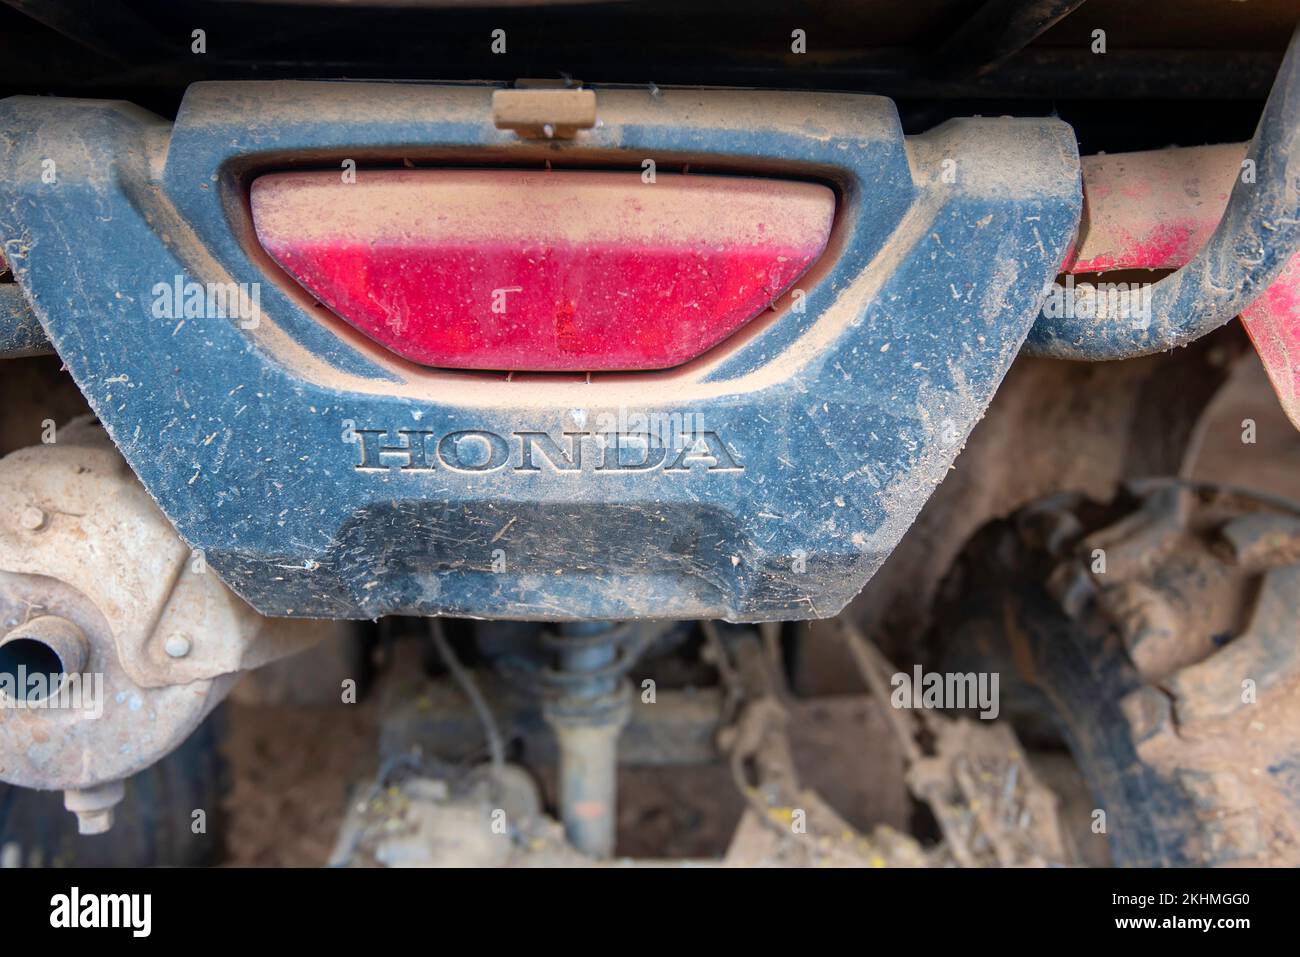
{"x":291,"y":768}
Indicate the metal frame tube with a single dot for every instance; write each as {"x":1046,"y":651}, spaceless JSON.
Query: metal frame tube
{"x":1257,"y":236}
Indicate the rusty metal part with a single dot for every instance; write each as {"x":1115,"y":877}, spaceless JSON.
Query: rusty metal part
{"x":74,"y":503}
{"x":49,"y":642}
{"x":98,"y":596}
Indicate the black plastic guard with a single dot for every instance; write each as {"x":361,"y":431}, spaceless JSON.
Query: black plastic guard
{"x":323,"y":477}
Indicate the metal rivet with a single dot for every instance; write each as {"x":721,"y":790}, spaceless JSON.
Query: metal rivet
{"x":32,"y":519}
{"x":177,"y":646}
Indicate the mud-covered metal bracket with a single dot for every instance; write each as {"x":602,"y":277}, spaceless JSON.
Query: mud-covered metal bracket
{"x":323,"y":477}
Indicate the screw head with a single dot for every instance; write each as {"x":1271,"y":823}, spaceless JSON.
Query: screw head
{"x":32,"y":518}
{"x":94,"y":806}
{"x":95,"y":822}
{"x":177,"y":646}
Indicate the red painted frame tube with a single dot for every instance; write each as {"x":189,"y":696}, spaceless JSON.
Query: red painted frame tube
{"x":1154,"y":210}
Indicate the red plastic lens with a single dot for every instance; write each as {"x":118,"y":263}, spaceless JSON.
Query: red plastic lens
{"x":542,"y":271}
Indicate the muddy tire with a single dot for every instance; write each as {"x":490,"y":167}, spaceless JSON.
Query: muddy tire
{"x":153,"y":824}
{"x":1158,"y":638}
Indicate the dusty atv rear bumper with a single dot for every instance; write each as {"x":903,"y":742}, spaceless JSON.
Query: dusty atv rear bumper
{"x":321,"y":477}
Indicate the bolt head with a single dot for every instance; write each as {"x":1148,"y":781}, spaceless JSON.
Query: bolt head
{"x":95,"y":822}
{"x":94,"y":806}
{"x":177,"y":646}
{"x":32,"y":518}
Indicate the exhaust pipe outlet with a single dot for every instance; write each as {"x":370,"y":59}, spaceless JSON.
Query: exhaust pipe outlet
{"x":38,"y":658}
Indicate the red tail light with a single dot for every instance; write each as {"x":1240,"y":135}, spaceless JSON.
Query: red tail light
{"x":542,"y":271}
